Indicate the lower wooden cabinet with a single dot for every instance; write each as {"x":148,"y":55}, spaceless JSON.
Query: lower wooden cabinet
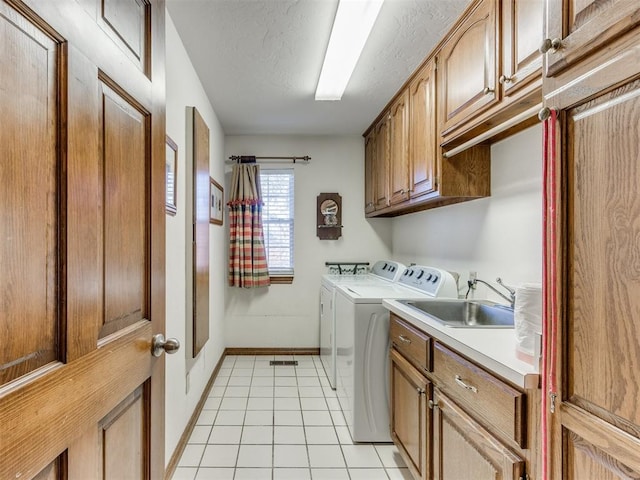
{"x":410,"y":415}
{"x":463,"y":449}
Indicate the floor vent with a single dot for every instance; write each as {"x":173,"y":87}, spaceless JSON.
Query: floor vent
{"x":280,"y":363}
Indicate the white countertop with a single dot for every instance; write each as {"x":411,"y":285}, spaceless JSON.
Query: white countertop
{"x":492,"y":348}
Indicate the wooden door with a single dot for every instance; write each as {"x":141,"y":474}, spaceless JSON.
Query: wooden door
{"x":423,"y":143}
{"x":468,"y":68}
{"x":369,"y":171}
{"x":595,"y":430}
{"x":381,"y":166}
{"x":462,"y":448}
{"x":583,"y":27}
{"x":82,"y":228}
{"x":522,"y":34}
{"x":410,"y":416}
{"x":399,"y":150}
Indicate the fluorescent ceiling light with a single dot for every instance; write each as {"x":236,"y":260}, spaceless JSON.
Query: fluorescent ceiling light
{"x":351,"y":28}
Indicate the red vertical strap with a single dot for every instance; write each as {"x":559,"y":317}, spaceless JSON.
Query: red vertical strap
{"x":549,"y":275}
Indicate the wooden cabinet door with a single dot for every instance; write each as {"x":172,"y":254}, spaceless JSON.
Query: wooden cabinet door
{"x":381,"y":165}
{"x":522,"y":34}
{"x":399,"y":149}
{"x":369,"y":172}
{"x":468,"y":68}
{"x":410,"y":415}
{"x":82,"y":255}
{"x":586,"y":26}
{"x":423,"y":141}
{"x":596,"y":425}
{"x":464,"y":449}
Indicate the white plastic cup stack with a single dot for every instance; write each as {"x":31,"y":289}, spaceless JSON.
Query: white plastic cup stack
{"x":528,"y":320}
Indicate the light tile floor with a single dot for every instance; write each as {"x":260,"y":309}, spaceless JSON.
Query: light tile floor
{"x":279,"y":423}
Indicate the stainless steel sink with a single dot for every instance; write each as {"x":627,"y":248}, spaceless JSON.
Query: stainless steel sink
{"x":465,"y":313}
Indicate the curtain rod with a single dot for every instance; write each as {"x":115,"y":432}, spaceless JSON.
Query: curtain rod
{"x":252,"y":159}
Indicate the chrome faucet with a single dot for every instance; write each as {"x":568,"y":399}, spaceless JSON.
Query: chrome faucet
{"x":512,"y":293}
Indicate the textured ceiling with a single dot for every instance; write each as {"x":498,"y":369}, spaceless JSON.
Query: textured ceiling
{"x":259,"y":60}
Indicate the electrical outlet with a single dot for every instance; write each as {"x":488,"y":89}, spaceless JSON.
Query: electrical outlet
{"x":472,"y":279}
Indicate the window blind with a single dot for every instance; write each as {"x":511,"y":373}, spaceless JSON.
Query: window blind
{"x":277,"y":219}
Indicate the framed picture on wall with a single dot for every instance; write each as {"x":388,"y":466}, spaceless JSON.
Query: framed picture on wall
{"x":216,"y":202}
{"x":171,"y":169}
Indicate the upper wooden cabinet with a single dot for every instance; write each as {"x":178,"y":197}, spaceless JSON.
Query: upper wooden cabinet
{"x":522,"y":34}
{"x":583,"y":27}
{"x":423,"y":140}
{"x":399,"y":150}
{"x":369,"y":172}
{"x":468,"y":68}
{"x":381,"y":163}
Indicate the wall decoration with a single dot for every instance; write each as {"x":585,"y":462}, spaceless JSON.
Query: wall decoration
{"x":329,"y":216}
{"x":216,"y":202}
{"x":171,"y":169}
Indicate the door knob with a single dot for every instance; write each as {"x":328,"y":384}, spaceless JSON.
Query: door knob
{"x":159,"y":345}
{"x":504,"y":79}
{"x":550,"y":46}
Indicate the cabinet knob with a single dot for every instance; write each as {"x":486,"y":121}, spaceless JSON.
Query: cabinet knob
{"x":432,"y":404}
{"x":487,"y":91}
{"x":544,"y":114}
{"x":504,"y":79}
{"x":370,"y":204}
{"x":420,"y":391}
{"x":551,"y":46}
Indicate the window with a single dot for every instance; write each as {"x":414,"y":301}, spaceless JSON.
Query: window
{"x":277,"y":220}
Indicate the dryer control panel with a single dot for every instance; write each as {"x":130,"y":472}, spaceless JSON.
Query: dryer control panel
{"x":430,"y":280}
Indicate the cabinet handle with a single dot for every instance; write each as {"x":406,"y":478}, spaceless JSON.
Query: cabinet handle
{"x":404,"y":339}
{"x":487,"y":91}
{"x":504,"y":79}
{"x":432,"y":405}
{"x":460,"y":382}
{"x":420,"y":391}
{"x":370,"y":204}
{"x":544,"y":114}
{"x":551,"y":46}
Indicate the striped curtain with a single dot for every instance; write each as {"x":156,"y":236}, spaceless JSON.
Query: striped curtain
{"x":247,"y":257}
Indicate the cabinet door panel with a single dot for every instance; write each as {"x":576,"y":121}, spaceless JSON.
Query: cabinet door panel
{"x":468,"y":68}
{"x":410,"y":417}
{"x":585,"y":26}
{"x":369,"y":172}
{"x":423,"y":146}
{"x":522,"y":34}
{"x":399,"y":150}
{"x":463,"y":449}
{"x":381,"y":166}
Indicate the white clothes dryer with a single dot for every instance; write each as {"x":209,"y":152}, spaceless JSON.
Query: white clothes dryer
{"x":362,"y":346}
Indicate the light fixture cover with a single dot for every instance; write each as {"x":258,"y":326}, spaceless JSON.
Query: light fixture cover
{"x":351,"y":28}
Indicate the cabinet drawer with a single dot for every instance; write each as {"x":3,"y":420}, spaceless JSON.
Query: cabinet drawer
{"x":498,"y":405}
{"x":412,"y":343}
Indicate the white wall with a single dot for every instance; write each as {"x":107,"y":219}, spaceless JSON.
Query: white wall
{"x":184,"y":89}
{"x":287,"y":315}
{"x":496,"y":236}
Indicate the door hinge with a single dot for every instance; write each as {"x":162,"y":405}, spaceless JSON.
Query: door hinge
{"x":552,"y":404}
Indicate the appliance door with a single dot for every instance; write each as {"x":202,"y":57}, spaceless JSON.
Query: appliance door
{"x":362,"y":335}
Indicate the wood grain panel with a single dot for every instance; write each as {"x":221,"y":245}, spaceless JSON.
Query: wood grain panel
{"x":410,"y":417}
{"x":129,"y":20}
{"x":468,"y":66}
{"x":464,"y":449}
{"x":604,"y":278}
{"x":124,"y":433}
{"x":125,"y":184}
{"x":201,"y":232}
{"x":382,"y":163}
{"x":399,"y":150}
{"x":369,"y":172}
{"x":29,"y":196}
{"x":583,"y":460}
{"x":423,"y":141}
{"x":50,"y":472}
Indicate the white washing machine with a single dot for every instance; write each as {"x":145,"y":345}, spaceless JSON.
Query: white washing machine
{"x":362,"y":346}
{"x":382,"y":273}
